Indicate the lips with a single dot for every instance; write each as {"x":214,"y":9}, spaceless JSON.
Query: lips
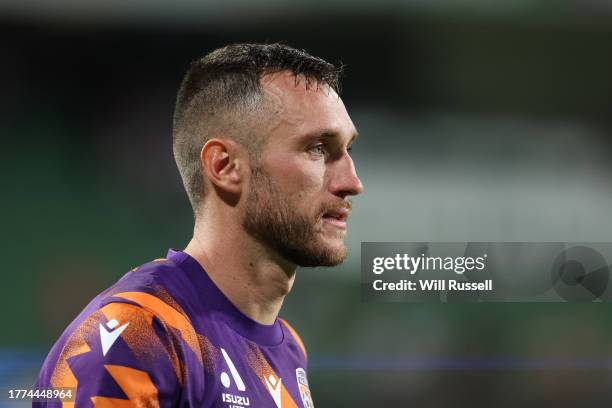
{"x":336,"y":217}
{"x":340,"y":214}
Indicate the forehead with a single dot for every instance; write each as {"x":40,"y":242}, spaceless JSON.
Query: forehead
{"x":302,"y":108}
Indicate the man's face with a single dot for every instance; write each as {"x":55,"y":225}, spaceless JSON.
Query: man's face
{"x":298,"y":193}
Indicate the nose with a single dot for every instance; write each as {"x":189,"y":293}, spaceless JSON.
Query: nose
{"x":344,"y":181}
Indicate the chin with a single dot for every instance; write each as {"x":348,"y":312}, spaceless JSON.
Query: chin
{"x":320,"y":254}
{"x":333,"y":254}
{"x":334,"y":243}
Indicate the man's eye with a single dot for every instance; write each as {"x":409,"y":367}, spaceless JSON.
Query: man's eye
{"x":318,"y":149}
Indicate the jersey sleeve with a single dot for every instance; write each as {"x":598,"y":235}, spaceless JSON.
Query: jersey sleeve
{"x":121,"y":355}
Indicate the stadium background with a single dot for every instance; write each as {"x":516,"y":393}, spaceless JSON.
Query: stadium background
{"x":485,"y":121}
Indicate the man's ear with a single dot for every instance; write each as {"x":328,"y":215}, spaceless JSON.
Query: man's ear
{"x":223,"y":165}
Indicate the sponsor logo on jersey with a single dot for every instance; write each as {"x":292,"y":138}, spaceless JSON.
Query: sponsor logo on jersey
{"x":235,"y":401}
{"x":302,"y":381}
{"x":110,"y":333}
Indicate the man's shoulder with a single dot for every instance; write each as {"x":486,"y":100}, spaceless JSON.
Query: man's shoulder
{"x":149,"y":287}
{"x":121,"y":341}
{"x":157,"y":272}
{"x":142,"y":294}
{"x":154,"y":278}
{"x":130,"y":327}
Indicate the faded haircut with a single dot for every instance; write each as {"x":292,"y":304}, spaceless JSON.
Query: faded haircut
{"x":221,"y":94}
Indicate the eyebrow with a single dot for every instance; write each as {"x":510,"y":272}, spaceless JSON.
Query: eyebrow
{"x":327,"y":134}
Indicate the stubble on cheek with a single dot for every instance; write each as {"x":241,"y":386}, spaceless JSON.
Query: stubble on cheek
{"x":293,"y":228}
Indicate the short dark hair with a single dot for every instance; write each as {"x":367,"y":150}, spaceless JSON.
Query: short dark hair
{"x":222,"y":90}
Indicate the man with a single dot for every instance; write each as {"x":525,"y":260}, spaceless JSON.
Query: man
{"x":262,"y":140}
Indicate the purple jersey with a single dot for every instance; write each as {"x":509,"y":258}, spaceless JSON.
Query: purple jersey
{"x":165,"y":336}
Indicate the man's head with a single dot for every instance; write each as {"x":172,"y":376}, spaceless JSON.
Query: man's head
{"x":261,"y":129}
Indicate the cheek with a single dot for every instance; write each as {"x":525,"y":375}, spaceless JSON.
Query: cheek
{"x":311,"y":180}
{"x":300,"y":177}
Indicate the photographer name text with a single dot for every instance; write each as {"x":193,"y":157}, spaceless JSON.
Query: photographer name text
{"x":432,"y":285}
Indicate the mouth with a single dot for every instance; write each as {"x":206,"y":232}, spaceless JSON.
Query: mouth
{"x":337,"y":217}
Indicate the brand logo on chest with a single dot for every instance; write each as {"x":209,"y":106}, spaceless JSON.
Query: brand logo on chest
{"x":234,"y":401}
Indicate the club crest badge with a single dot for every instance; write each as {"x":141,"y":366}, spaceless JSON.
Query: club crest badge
{"x":302,"y":381}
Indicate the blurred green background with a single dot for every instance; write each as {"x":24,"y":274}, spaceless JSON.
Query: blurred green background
{"x":479,"y":121}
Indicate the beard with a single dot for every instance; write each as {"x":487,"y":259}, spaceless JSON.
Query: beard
{"x":274,"y":222}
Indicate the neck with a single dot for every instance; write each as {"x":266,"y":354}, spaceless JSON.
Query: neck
{"x":254,"y":278}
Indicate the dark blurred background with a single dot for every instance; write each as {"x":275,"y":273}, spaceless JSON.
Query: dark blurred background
{"x":479,"y":121}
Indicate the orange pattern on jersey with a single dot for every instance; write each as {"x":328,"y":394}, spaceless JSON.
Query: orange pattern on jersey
{"x":140,"y":336}
{"x":62,"y":374}
{"x":265,"y":372}
{"x":297,"y":338}
{"x":211,"y":354}
{"x":168,"y":315}
{"x":136,"y":385}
